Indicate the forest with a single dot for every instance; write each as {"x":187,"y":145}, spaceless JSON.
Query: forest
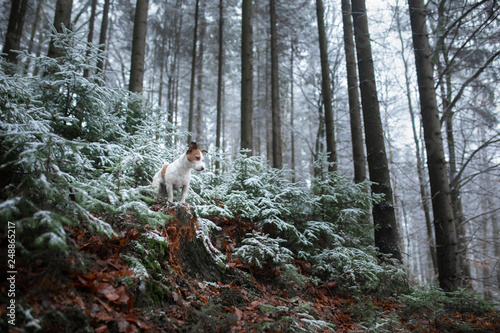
{"x":352,"y":156}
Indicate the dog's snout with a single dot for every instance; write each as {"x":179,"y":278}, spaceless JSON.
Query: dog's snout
{"x":202,"y":168}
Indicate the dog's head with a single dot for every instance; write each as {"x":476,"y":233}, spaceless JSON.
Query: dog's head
{"x":195,"y":157}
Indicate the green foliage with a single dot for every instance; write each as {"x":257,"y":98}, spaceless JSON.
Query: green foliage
{"x":327,"y":224}
{"x":259,"y":249}
{"x":441,"y":304}
{"x":68,"y":155}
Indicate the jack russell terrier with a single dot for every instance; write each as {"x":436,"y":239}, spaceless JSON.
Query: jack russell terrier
{"x":178,"y":174}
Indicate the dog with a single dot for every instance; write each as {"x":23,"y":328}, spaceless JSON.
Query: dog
{"x":178,"y":174}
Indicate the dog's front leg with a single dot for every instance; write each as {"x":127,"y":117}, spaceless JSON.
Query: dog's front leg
{"x":185,"y":189}
{"x":170,"y":192}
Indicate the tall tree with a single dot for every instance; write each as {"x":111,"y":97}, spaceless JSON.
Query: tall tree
{"x":358,"y":150}
{"x":62,"y":17}
{"x":326,"y":88}
{"x":275,"y":91}
{"x":384,"y":218}
{"x":103,"y":33}
{"x":34,"y":28}
{"x":246,"y":76}
{"x":292,"y":108}
{"x":15,"y":29}
{"x":444,"y":225}
{"x":424,"y":197}
{"x":139,"y":46}
{"x":193,"y":72}
{"x":173,"y":72}
{"x":220,"y":80}
{"x":198,"y":116}
{"x":90,"y":37}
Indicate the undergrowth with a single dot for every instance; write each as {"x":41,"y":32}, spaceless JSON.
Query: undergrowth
{"x":76,"y":154}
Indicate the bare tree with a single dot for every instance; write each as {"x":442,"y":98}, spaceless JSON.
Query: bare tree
{"x":220,"y":80}
{"x":90,"y":37}
{"x":384,"y":218}
{"x":246,"y":76}
{"x":15,"y":29}
{"x":358,"y":150}
{"x":424,"y":196}
{"x":62,"y":17}
{"x":139,"y":46}
{"x":275,"y":91}
{"x":193,"y":72}
{"x":326,"y":88}
{"x":103,"y":33}
{"x":444,"y":224}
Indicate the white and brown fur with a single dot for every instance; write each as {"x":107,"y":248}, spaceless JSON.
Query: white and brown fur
{"x":178,"y":174}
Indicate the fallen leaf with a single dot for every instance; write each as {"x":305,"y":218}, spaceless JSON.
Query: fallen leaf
{"x":106,"y":306}
{"x":238,"y":313}
{"x":101,"y":329}
{"x":107,"y":290}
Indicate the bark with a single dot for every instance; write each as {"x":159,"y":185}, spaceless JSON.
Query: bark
{"x":34,"y":28}
{"x":358,"y":150}
{"x":247,"y":76}
{"x":220,"y":81}
{"x":62,"y":17}
{"x":15,"y":29}
{"x":456,"y":201}
{"x":444,"y":224}
{"x":103,"y":34}
{"x":326,"y":88}
{"x":193,"y":72}
{"x":384,"y":218}
{"x":188,"y":253}
{"x":292,"y":134}
{"x":424,"y":196}
{"x":139,"y":46}
{"x":86,"y":72}
{"x":162,"y":65}
{"x":198,"y":117}
{"x":275,"y":91}
{"x":173,"y":74}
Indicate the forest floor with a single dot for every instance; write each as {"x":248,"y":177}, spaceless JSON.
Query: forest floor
{"x":98,"y":288}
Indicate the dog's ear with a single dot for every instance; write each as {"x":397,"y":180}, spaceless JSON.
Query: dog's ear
{"x":204,"y":151}
{"x":192,"y":146}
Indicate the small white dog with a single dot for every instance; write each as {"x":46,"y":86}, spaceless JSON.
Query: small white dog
{"x":178,"y":174}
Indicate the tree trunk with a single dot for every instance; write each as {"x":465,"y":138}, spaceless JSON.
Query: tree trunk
{"x":358,"y":150}
{"x":37,"y":19}
{"x":246,"y":76}
{"x":445,"y":233}
{"x":424,"y":196}
{"x":15,"y":29}
{"x":162,"y":66}
{"x":62,"y":16}
{"x":193,"y":72}
{"x":188,"y":253}
{"x":198,"y":117}
{"x":456,"y":201}
{"x":292,"y":134}
{"x":326,"y":88}
{"x":275,"y":91}
{"x":220,"y":81}
{"x":173,"y":74}
{"x":384,"y":218}
{"x":90,"y":39}
{"x":103,"y":34}
{"x":139,"y":46}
